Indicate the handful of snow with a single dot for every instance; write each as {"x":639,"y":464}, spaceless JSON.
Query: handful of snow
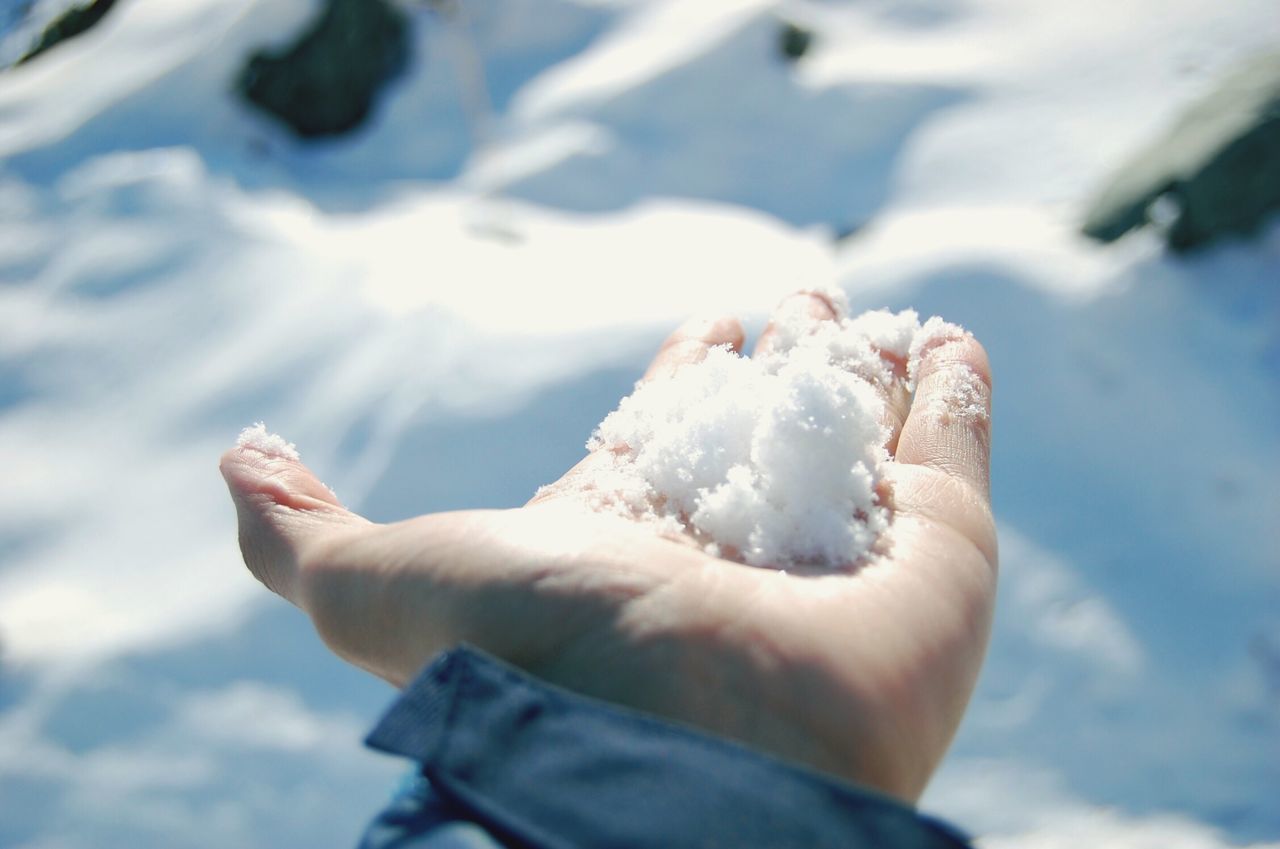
{"x":773,"y":460}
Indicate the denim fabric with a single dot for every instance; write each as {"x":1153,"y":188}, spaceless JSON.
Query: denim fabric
{"x":419,"y":819}
{"x":506,"y":760}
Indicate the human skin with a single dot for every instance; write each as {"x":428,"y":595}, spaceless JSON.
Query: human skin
{"x":863,"y":672}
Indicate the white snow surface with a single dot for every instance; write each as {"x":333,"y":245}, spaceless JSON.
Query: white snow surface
{"x":440,"y":327}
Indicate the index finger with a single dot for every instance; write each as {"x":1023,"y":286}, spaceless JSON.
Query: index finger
{"x":949,"y":425}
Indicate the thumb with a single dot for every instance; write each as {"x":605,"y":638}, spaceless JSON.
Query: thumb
{"x":281,"y":507}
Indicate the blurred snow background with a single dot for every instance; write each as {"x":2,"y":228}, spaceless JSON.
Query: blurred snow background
{"x":441,"y":328}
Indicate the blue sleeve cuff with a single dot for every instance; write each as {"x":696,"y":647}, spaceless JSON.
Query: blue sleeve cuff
{"x":508,"y":758}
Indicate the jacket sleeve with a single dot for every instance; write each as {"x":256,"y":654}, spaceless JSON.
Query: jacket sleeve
{"x":506,"y":760}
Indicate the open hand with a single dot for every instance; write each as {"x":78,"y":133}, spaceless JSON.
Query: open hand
{"x":863,"y":673}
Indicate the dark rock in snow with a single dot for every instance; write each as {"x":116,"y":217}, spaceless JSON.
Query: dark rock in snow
{"x":325,"y":83}
{"x":1215,"y":173}
{"x":69,"y":24}
{"x":794,"y":41}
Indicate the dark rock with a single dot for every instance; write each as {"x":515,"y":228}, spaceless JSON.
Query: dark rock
{"x":69,"y":24}
{"x":794,"y":41}
{"x":1216,"y":173}
{"x":326,"y":82}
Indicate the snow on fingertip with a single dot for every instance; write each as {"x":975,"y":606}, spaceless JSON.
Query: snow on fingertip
{"x":836,"y":297}
{"x":257,"y":437}
{"x":772,"y":461}
{"x":958,"y":392}
{"x":929,"y":335}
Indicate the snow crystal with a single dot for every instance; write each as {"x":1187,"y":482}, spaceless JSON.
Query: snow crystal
{"x":773,"y":460}
{"x":260,"y":439}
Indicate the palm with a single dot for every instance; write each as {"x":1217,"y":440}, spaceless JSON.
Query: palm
{"x":863,"y":673}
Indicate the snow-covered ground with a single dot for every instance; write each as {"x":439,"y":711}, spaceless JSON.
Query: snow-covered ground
{"x":437,"y":329}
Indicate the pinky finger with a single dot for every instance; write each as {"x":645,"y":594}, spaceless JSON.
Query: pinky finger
{"x":948,"y":427}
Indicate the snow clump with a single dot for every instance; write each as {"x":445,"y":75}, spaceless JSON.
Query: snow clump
{"x":773,"y":460}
